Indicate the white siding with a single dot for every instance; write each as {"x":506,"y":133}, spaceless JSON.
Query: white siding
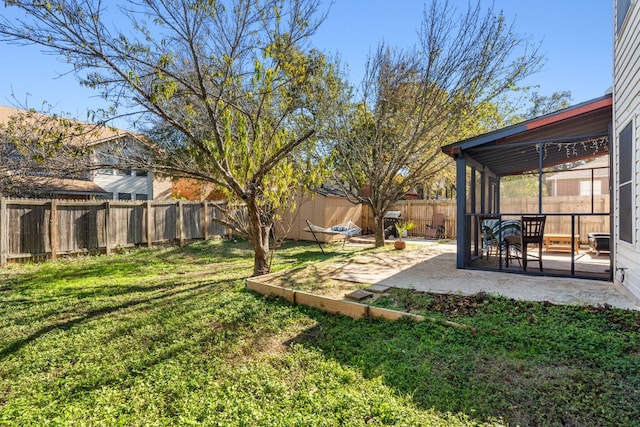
{"x":124,"y":184}
{"x":626,"y":109}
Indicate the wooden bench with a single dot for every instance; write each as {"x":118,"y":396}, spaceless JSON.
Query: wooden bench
{"x":560,"y":242}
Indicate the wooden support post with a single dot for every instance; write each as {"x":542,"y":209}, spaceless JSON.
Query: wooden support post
{"x":149,"y":224}
{"x":107,"y":227}
{"x":205,"y":221}
{"x":179,"y":229}
{"x":4,"y":232}
{"x":53,"y":230}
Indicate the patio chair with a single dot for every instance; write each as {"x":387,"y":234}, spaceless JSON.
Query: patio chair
{"x":531,"y":233}
{"x":486,"y":224}
{"x":435,"y":230}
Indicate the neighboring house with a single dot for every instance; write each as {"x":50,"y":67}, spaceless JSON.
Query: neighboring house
{"x":626,"y":147}
{"x":128,"y":184}
{"x":589,"y":179}
{"x":106,"y":183}
{"x":191,"y":189}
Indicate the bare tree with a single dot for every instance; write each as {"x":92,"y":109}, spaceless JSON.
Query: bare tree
{"x":234,"y":82}
{"x":414,"y":101}
{"x":34,"y":147}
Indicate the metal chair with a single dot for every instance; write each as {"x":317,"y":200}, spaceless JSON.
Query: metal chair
{"x":531,"y":233}
{"x":489,"y":239}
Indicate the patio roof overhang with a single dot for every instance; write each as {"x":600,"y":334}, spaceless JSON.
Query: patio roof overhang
{"x":574,"y":133}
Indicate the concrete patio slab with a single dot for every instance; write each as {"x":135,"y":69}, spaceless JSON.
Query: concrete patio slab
{"x":432,"y":268}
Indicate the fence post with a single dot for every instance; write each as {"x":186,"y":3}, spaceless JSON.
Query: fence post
{"x":107,"y":227}
{"x":53,"y":230}
{"x":205,"y":220}
{"x":409,"y":214}
{"x":4,"y":232}
{"x":149,"y":224}
{"x":180,"y":227}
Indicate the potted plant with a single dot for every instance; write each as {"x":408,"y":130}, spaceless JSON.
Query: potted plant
{"x":402,"y":229}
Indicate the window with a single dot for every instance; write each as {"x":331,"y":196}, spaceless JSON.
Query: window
{"x":124,"y":196}
{"x":625,"y":182}
{"x":140,"y":173}
{"x":622,"y":9}
{"x":142,"y":196}
{"x":585,"y":188}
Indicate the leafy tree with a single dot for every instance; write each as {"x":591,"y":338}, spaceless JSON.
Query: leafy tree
{"x":414,"y":101}
{"x":496,"y":114}
{"x":233,"y":83}
{"x":542,"y":104}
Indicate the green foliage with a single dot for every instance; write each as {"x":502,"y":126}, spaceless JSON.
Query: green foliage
{"x":172,"y":337}
{"x":541,"y":104}
{"x":402,"y":227}
{"x":234,"y":85}
{"x":521,"y":186}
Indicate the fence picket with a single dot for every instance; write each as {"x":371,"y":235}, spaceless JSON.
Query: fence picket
{"x":39,"y":228}
{"x":31,"y":229}
{"x":4,"y":233}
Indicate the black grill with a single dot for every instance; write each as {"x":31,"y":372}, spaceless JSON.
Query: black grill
{"x":391,"y":218}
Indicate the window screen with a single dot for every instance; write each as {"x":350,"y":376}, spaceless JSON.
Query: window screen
{"x":625,"y":162}
{"x":621,"y":12}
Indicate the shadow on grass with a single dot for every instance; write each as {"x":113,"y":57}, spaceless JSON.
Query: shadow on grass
{"x":134,"y":263}
{"x":312,"y":252}
{"x":168,"y":289}
{"x":526,"y":375}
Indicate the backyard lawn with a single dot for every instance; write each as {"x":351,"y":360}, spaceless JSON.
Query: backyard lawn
{"x":172,"y":337}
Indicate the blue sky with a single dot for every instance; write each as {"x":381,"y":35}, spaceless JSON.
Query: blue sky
{"x":576,"y":39}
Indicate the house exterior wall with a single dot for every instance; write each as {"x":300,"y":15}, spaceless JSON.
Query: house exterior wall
{"x":162,"y":188}
{"x":129,"y":184}
{"x":626,"y":110}
{"x":120,"y":185}
{"x":131,"y":187}
{"x":571,"y":187}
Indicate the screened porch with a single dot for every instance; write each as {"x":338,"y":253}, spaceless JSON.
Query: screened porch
{"x":553,"y":169}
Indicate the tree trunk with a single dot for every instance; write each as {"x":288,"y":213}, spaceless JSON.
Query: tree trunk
{"x":261,"y":256}
{"x":260,"y":228}
{"x":378,"y":227}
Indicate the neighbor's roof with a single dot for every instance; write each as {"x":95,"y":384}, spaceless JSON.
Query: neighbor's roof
{"x":574,"y":133}
{"x":72,"y":186}
{"x":56,"y":185}
{"x":93,"y":134}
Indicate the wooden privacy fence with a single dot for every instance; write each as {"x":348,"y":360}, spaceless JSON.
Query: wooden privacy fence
{"x":32,"y":229}
{"x":420,"y":212}
{"x":559,"y":210}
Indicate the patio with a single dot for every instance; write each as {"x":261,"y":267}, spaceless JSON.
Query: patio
{"x":432,"y":268}
{"x":586,"y":263}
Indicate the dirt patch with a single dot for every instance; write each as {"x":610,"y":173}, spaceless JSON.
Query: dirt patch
{"x":317,"y":279}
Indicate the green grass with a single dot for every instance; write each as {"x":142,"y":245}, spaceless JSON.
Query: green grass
{"x":172,"y":337}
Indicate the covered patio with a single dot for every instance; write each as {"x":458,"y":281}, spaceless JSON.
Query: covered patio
{"x":542,"y":168}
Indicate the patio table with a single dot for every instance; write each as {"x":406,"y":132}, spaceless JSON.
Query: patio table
{"x":560,"y":242}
